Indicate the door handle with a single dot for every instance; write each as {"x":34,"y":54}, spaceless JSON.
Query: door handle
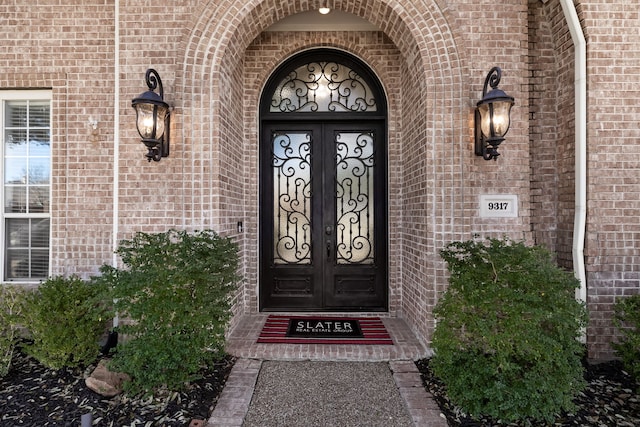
{"x":328,"y":230}
{"x":328,"y":249}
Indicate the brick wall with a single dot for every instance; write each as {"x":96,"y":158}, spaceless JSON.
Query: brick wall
{"x":552,"y":129}
{"x":543,"y":127}
{"x":561,"y":94}
{"x":153,"y":197}
{"x":432,"y":57}
{"x":498,"y":37}
{"x":613,"y":231}
{"x":613,"y":225}
{"x":69,"y":50}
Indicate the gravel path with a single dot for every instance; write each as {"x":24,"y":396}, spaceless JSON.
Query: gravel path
{"x":344,"y":394}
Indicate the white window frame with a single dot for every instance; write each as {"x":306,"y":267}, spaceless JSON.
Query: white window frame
{"x":22,"y":95}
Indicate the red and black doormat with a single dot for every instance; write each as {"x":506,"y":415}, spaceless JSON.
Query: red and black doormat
{"x":324,"y":330}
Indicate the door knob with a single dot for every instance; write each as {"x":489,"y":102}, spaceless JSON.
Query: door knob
{"x":328,"y":230}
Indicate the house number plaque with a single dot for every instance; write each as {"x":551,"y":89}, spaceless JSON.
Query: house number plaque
{"x":499,"y":206}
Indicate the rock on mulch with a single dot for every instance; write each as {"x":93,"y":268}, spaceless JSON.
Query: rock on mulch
{"x":610,"y":399}
{"x":32,"y":395}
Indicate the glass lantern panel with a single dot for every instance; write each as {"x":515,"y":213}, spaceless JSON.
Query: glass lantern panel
{"x":501,"y":111}
{"x":145,"y":120}
{"x":497,"y":111}
{"x":161,"y":115}
{"x":485,"y":120}
{"x":148,"y":114}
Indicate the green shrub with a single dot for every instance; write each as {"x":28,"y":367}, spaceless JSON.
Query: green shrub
{"x":627,"y":320}
{"x":175,"y":298}
{"x":10,"y":310}
{"x":65,"y":318}
{"x":506,"y":338}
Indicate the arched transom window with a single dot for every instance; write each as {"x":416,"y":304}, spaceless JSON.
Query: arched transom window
{"x":323,"y":87}
{"x":330,"y":82}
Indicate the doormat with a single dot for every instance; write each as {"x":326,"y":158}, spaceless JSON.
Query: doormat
{"x":324,"y":330}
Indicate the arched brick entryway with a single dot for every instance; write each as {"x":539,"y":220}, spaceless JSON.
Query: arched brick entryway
{"x":424,"y":83}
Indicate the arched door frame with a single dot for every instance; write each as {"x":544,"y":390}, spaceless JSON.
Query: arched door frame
{"x":339,"y":284}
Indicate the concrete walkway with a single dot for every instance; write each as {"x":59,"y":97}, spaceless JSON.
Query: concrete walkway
{"x":391,"y":394}
{"x":269,"y":375}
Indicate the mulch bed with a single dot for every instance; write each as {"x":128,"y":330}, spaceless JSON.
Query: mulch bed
{"x":611,"y":399}
{"x":32,"y":395}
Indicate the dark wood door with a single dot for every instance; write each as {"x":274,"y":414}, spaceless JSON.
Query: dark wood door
{"x":323,"y":216}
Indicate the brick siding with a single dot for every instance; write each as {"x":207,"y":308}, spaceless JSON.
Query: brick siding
{"x":613,"y":231}
{"x":431,"y":56}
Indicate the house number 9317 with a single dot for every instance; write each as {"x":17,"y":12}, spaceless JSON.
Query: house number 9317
{"x":498,"y":206}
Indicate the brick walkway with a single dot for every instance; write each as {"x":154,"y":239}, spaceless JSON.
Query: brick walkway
{"x":236,"y":397}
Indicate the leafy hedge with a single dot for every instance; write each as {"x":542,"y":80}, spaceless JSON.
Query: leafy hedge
{"x":10,"y":310}
{"x":627,"y":320}
{"x":506,"y":341}
{"x":65,"y":318}
{"x":175,"y":296}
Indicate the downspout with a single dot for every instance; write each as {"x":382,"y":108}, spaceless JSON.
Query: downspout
{"x":580,"y":220}
{"x":116,"y":140}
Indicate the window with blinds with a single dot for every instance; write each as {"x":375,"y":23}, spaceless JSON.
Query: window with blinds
{"x":26,"y":171}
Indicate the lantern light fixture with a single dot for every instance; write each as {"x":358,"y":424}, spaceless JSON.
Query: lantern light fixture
{"x":492,"y":117}
{"x":153,"y":117}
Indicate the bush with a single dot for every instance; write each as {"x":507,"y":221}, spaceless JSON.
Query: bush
{"x":65,"y":318}
{"x":627,"y":320}
{"x":506,"y":338}
{"x":175,"y":297}
{"x":10,"y":310}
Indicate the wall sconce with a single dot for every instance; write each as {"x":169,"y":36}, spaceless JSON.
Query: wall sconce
{"x":153,"y":118}
{"x":492,"y":117}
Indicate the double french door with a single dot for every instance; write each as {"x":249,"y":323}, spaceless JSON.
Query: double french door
{"x":323,"y":216}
